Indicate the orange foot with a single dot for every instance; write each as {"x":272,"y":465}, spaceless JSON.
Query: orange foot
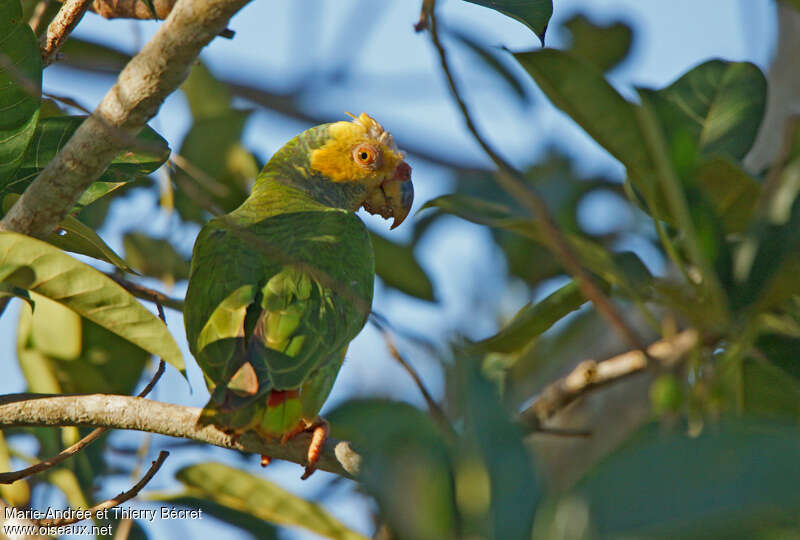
{"x":320,"y":430}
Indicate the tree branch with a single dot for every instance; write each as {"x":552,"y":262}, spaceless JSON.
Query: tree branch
{"x":140,"y":90}
{"x":131,"y":9}
{"x":135,"y":413}
{"x":590,"y":375}
{"x":60,"y":27}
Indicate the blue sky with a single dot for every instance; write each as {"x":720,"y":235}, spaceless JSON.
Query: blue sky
{"x":395,"y":76}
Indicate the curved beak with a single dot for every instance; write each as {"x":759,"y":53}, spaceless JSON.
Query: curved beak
{"x":394,"y":197}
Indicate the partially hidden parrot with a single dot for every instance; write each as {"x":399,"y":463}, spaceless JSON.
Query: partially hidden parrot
{"x":280,"y":286}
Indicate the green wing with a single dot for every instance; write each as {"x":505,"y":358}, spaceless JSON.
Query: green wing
{"x":272,"y":305}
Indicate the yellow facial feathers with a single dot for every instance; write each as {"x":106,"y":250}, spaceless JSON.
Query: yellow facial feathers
{"x":340,"y":157}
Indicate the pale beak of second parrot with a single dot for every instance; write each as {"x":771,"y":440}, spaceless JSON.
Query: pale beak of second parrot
{"x":394,"y":197}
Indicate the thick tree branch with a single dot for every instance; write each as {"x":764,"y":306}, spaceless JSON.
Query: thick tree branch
{"x":135,"y":413}
{"x":140,"y":90}
{"x":590,"y":375}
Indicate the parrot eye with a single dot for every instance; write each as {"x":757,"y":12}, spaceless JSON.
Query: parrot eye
{"x":366,"y":155}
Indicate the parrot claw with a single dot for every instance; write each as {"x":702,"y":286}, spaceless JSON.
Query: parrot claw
{"x":319,"y":434}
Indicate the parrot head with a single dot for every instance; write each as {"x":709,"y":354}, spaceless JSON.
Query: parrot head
{"x":362,"y":152}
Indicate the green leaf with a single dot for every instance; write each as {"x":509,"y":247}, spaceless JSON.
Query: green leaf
{"x":758,"y":387}
{"x":243,"y":520}
{"x":207,"y":96}
{"x":534,"y":319}
{"x":624,"y":270}
{"x":91,"y":56}
{"x":604,"y":46}
{"x":20,"y":86}
{"x":406,"y":465}
{"x":719,"y":103}
{"x":76,"y":237}
{"x":535,"y":14}
{"x":578,"y":88}
{"x":147,"y":155}
{"x":226,"y":168}
{"x":88,"y":292}
{"x":726,"y":483}
{"x":7,"y":290}
{"x":247,"y":494}
{"x":77,"y":356}
{"x":733,"y":191}
{"x":491,"y":60}
{"x":19,"y":492}
{"x":496,"y":441}
{"x":155,"y":257}
{"x":397,"y":266}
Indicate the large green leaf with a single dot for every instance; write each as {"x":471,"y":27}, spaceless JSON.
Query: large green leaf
{"x":149,"y":152}
{"x":729,"y":482}
{"x":719,"y":103}
{"x":534,"y":319}
{"x":397,"y":266}
{"x":88,"y":292}
{"x":247,"y":494}
{"x":535,"y":14}
{"x":406,"y":465}
{"x":577,"y":87}
{"x":20,"y":86}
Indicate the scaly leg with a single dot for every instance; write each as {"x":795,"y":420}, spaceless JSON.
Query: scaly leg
{"x":321,"y":430}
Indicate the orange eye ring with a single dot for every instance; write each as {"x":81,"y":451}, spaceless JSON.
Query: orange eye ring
{"x":367,"y":156}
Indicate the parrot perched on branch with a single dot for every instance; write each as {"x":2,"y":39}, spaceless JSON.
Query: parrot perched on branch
{"x":280,"y":286}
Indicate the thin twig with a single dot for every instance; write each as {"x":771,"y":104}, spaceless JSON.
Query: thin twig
{"x":38,"y":14}
{"x":145,"y":293}
{"x":10,"y":477}
{"x":66,"y":100}
{"x":110,"y":503}
{"x":514,"y":183}
{"x":435,"y":410}
{"x":60,"y":27}
{"x":590,"y":375}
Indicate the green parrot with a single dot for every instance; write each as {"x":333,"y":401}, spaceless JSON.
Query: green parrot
{"x":280,"y":286}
